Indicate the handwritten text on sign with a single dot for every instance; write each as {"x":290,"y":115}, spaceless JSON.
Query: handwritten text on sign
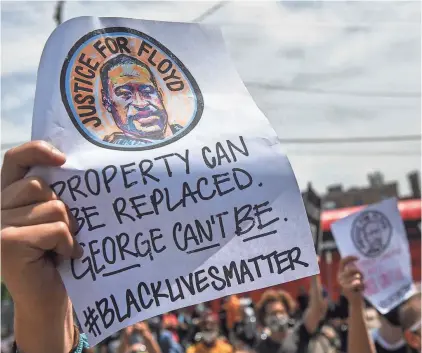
{"x":251,"y":221}
{"x":181,"y":195}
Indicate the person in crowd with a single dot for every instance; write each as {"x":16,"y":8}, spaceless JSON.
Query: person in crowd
{"x":233,"y":313}
{"x":337,"y":316}
{"x":410,"y":321}
{"x":138,"y":338}
{"x":399,"y":330}
{"x":171,"y":324}
{"x":184,"y":327}
{"x":387,"y":338}
{"x":222,"y":315}
{"x":209,"y":340}
{"x":372,"y":319}
{"x":325,"y":340}
{"x":302,"y":299}
{"x":36,"y":225}
{"x":351,"y":282}
{"x":165,"y":338}
{"x":245,"y":330}
{"x":291,"y":305}
{"x":273,"y":313}
{"x":110,"y":344}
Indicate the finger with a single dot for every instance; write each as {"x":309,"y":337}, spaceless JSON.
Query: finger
{"x":46,"y":212}
{"x":25,"y":192}
{"x":57,"y":238}
{"x":18,"y":160}
{"x":346,"y":261}
{"x":351,"y":271}
{"x":347,"y":272}
{"x":351,"y":281}
{"x":356,"y":283}
{"x":347,"y":280}
{"x":40,"y":239}
{"x":357,"y":286}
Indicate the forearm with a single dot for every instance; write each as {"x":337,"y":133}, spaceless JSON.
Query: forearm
{"x":151,"y":344}
{"x":44,"y":332}
{"x":123,"y":346}
{"x":358,"y":340}
{"x":315,"y":311}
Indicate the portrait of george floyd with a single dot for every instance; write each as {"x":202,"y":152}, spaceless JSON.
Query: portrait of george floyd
{"x":371,"y":233}
{"x":130,"y":93}
{"x":124,"y":90}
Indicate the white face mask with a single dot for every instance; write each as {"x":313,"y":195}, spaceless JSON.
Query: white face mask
{"x":209,"y":336}
{"x":277,"y":323}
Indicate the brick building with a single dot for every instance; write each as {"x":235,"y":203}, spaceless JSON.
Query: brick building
{"x":377,"y":190}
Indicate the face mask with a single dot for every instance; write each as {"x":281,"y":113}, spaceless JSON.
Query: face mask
{"x":277,"y":323}
{"x":209,"y":336}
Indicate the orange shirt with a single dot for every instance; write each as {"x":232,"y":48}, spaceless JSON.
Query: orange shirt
{"x":219,"y":347}
{"x":233,"y":311}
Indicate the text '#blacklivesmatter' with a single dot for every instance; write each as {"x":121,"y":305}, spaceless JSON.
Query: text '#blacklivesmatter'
{"x":171,"y":290}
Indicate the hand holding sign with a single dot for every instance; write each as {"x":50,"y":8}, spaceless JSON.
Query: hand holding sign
{"x":178,"y":182}
{"x":35,"y":224}
{"x":350,"y":279}
{"x":376,"y":239}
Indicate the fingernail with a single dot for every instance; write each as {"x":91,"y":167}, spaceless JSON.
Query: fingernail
{"x":74,"y":225}
{"x":73,"y":222}
{"x":79,"y":250}
{"x":56,"y":151}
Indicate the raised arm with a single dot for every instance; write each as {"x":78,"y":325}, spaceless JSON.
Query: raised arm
{"x":317,"y":306}
{"x":36,"y":233}
{"x":351,"y":281}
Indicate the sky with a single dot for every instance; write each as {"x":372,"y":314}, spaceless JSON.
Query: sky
{"x":315,"y":69}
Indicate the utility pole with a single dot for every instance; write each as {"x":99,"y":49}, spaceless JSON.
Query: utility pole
{"x":58,"y":12}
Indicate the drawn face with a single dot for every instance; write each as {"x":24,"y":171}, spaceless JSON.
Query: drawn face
{"x":373,"y":235}
{"x":136,"y":104}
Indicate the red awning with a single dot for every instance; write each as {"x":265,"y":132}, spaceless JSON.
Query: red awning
{"x":409,"y":210}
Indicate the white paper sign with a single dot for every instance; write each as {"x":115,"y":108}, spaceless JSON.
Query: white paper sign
{"x":178,"y":181}
{"x":376,"y":235}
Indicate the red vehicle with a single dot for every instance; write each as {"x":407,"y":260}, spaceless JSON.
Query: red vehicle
{"x":410,"y":211}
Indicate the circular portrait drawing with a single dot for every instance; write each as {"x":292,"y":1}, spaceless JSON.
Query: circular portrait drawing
{"x":371,"y":233}
{"x":124,"y":90}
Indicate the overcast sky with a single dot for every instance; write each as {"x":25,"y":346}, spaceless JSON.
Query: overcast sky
{"x":331,"y":69}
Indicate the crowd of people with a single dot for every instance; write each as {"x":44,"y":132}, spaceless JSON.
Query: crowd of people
{"x":279,"y":323}
{"x":37,"y":235}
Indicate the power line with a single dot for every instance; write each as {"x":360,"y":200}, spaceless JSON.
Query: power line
{"x":355,"y":154}
{"x":371,"y":139}
{"x":278,"y":87}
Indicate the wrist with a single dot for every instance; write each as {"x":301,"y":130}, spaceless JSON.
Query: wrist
{"x":44,"y":332}
{"x":147,"y":336}
{"x":356,"y":302}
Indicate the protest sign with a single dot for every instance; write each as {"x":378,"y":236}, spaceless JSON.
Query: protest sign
{"x":376,"y":235}
{"x":313,"y":203}
{"x":178,"y":181}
